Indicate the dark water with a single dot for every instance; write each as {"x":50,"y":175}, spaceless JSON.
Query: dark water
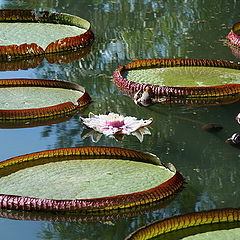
{"x":128,"y":30}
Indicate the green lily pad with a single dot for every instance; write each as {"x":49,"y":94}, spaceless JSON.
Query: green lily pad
{"x":85,"y":179}
{"x":36,"y":97}
{"x":27,"y":33}
{"x":40,"y":33}
{"x":228,"y":234}
{"x":180,"y":81}
{"x":184,"y":76}
{"x":212,"y":224}
{"x":78,"y":179}
{"x":33,"y":99}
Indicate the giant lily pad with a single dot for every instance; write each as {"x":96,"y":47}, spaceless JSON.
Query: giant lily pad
{"x":214,"y":224}
{"x":29,"y":33}
{"x":22,"y":99}
{"x":175,"y":79}
{"x":87,"y":178}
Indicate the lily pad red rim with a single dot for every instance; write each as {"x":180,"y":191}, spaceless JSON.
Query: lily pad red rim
{"x":12,"y":202}
{"x":188,"y":101}
{"x":10,"y":52}
{"x":85,"y":216}
{"x":233,"y":36}
{"x":172,"y":93}
{"x":44,"y":112}
{"x":167,"y":226}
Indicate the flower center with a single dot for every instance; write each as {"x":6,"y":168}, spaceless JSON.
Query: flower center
{"x":116,"y":124}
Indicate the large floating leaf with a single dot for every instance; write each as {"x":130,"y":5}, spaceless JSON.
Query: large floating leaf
{"x":84,"y":179}
{"x":179,"y":80}
{"x":37,"y":98}
{"x":25,"y":33}
{"x":87,"y":178}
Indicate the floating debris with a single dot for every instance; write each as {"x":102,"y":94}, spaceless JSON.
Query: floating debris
{"x":212,"y":127}
{"x":234,"y":139}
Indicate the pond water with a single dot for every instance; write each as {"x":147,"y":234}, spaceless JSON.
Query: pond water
{"x":128,"y":30}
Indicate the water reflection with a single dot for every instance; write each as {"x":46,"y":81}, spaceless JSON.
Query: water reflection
{"x":108,"y":229}
{"x":24,"y":63}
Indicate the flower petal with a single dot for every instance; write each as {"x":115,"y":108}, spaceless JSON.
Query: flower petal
{"x":141,"y":132}
{"x":238,"y":118}
{"x":94,"y":135}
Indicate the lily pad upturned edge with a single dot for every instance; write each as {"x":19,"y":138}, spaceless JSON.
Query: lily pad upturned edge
{"x":86,"y":216}
{"x":59,"y":45}
{"x":167,"y":226}
{"x":149,"y":196}
{"x":45,"y":112}
{"x":173,"y":93}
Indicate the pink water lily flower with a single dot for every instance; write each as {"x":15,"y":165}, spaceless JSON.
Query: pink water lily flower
{"x":114,"y":123}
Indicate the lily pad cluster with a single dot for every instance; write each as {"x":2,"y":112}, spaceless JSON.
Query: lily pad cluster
{"x":101,"y":179}
{"x":87,"y":179}
{"x":27,"y":36}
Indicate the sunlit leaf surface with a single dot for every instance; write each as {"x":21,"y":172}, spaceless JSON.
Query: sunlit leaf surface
{"x":40,"y":33}
{"x":36,"y":97}
{"x":229,"y":234}
{"x":185,"y":76}
{"x":83,"y":179}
